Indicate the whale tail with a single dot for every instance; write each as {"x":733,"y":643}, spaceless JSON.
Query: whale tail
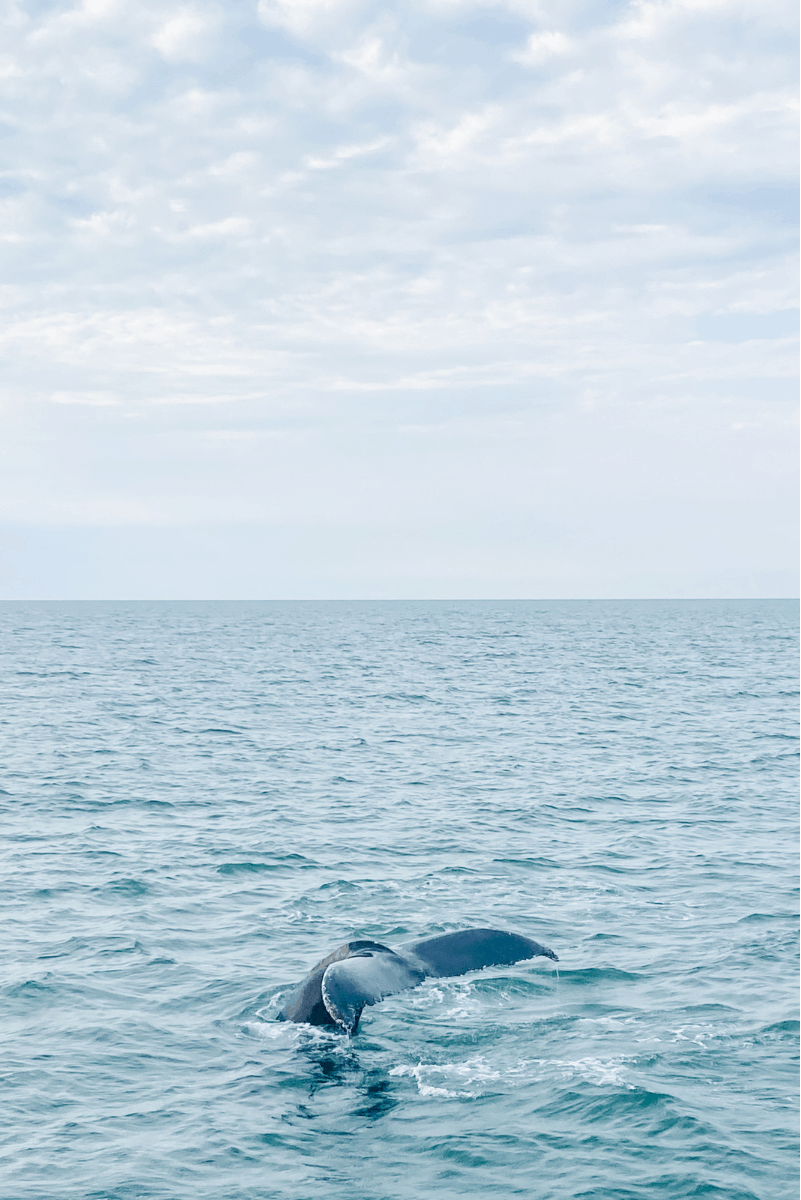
{"x":306,"y":1004}
{"x":365,"y":978}
{"x":363,"y":972}
{"x":471,"y":949}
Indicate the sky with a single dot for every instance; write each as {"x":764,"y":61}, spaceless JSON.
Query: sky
{"x":435,"y":298}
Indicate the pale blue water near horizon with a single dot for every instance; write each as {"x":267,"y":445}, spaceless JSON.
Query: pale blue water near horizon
{"x":199,"y":800}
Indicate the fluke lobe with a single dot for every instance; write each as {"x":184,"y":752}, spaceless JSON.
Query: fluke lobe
{"x":364,"y":972}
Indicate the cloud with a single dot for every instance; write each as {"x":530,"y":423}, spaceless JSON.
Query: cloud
{"x":186,"y":36}
{"x":501,"y":223}
{"x":303,"y":17}
{"x":542,"y":46}
{"x":221,"y":229}
{"x":92,"y":399}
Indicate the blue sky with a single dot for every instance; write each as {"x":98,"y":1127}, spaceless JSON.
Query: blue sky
{"x":330,"y":298}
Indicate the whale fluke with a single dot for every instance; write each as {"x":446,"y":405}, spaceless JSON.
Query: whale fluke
{"x":472,"y":949}
{"x":365,"y":978}
{"x":363,"y":972}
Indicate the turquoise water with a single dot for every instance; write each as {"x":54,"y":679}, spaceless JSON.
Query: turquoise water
{"x":200,"y":800}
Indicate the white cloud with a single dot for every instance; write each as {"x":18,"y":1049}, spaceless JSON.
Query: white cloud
{"x":235,"y":164}
{"x":652,"y":19}
{"x":104,"y":224}
{"x":221,"y":229}
{"x":501,"y":224}
{"x":88,"y":399}
{"x":542,"y":46}
{"x":373,"y":58}
{"x":439,"y":144}
{"x":186,"y":36}
{"x":302,"y":16}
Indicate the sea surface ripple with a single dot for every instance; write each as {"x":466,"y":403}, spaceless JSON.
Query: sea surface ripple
{"x":199,"y":800}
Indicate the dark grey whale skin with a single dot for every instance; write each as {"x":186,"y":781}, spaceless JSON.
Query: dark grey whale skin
{"x":363,"y":972}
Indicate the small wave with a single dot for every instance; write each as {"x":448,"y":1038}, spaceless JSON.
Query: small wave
{"x":594,"y":1070}
{"x":468,"y":1079}
{"x":287,"y":1033}
{"x":237,"y":868}
{"x":707,"y":1009}
{"x":127,"y":887}
{"x":31,"y":989}
{"x":791,"y":1026}
{"x":531,"y":864}
{"x":125,"y":948}
{"x":759,"y":916}
{"x":591,"y":975}
{"x":474,"y":1076}
{"x":272,"y":1030}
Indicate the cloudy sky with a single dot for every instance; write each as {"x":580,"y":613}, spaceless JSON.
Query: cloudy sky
{"x":437,"y":298}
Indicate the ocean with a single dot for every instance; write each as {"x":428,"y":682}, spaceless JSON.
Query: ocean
{"x":200,"y":800}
